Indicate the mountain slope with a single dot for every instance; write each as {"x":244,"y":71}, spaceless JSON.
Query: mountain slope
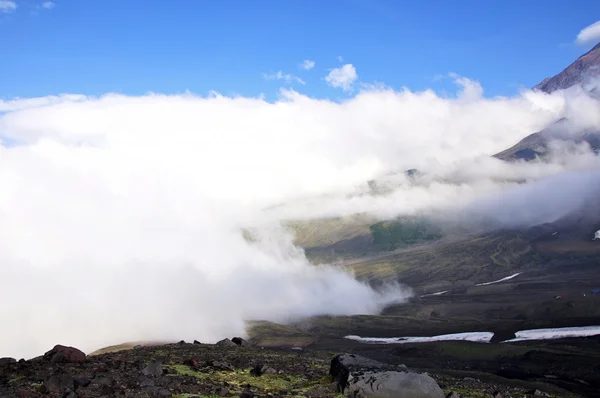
{"x":535,"y":145}
{"x":585,"y":67}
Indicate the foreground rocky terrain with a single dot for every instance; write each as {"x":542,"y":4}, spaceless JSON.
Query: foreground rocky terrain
{"x":228,"y":369}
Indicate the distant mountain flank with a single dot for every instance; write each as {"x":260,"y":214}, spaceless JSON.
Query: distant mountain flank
{"x":585,"y":67}
{"x":579,"y":72}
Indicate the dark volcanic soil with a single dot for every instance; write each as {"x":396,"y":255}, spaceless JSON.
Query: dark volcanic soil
{"x":199,"y":370}
{"x":179,"y":370}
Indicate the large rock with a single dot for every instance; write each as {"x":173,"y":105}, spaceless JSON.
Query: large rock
{"x":358,"y":377}
{"x":60,"y":353}
{"x":226,"y":343}
{"x":240,"y":341}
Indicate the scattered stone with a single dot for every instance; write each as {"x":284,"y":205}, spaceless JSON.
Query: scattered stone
{"x":537,"y":393}
{"x":62,"y":353}
{"x":145,"y":381}
{"x":107,"y":390}
{"x":191,"y":362}
{"x":267,"y":370}
{"x":158,"y":392}
{"x":137,"y":347}
{"x":182,"y":342}
{"x":240,"y":341}
{"x":297,"y":348}
{"x":260,"y":370}
{"x":197,"y":342}
{"x":226,"y":343}
{"x":153,"y":370}
{"x":361,"y":376}
{"x":246,"y":394}
{"x":59,"y":384}
{"x":453,"y":395}
{"x":81,"y":382}
{"x":103,"y":381}
{"x":221,"y":365}
{"x":256,"y":371}
{"x":5,"y":361}
{"x":497,"y":394}
{"x":223,"y":392}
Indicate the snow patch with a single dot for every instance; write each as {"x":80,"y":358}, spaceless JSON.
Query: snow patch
{"x":436,"y":293}
{"x":556,"y":333}
{"x":499,"y":280}
{"x":480,"y":337}
{"x":597,"y":235}
{"x":485,"y":337}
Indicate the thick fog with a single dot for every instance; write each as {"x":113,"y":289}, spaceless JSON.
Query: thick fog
{"x":121,"y":217}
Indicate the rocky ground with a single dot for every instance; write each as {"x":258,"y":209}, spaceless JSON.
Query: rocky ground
{"x":224,"y":370}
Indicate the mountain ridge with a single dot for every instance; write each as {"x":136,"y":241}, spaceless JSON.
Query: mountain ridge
{"x":585,"y":67}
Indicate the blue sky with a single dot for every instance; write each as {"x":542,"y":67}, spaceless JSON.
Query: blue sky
{"x":231,"y":46}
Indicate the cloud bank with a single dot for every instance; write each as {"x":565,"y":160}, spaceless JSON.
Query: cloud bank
{"x":121,"y":217}
{"x":589,"y":34}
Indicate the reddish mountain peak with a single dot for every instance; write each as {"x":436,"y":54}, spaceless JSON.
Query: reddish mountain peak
{"x":585,"y":67}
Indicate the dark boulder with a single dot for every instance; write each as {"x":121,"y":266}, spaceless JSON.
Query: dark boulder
{"x":240,"y":341}
{"x":226,"y":343}
{"x":62,"y":353}
{"x":358,"y":376}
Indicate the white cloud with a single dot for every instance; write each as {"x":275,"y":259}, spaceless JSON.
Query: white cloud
{"x":340,"y":58}
{"x":307,"y":64}
{"x":7,"y":6}
{"x":134,"y":205}
{"x":589,"y":34}
{"x":48,"y":5}
{"x":279,"y":75}
{"x":342,"y":77}
{"x":25,"y":103}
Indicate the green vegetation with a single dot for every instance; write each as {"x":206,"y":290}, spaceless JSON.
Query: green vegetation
{"x":324,"y":232}
{"x":241,"y":379}
{"x":397,"y":233}
{"x":185,"y":370}
{"x":195,"y":395}
{"x":269,"y":334}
